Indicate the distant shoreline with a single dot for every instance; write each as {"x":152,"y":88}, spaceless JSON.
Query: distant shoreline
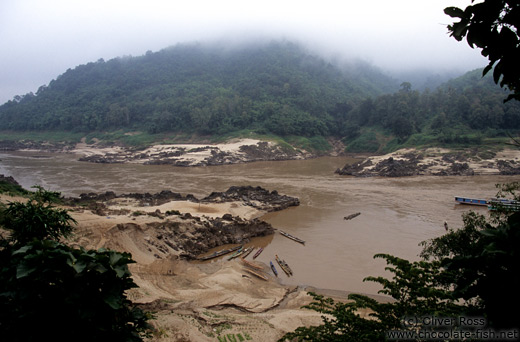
{"x":433,"y":161}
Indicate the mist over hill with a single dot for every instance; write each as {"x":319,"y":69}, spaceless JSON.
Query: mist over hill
{"x":277,"y":88}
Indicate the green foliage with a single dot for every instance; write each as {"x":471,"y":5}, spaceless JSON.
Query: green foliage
{"x":277,"y":87}
{"x":415,"y":287}
{"x":11,"y":188}
{"x":36,"y":219}
{"x":492,"y":25}
{"x":315,"y":144}
{"x":367,"y":141}
{"x":50,"y":291}
{"x":483,"y":260}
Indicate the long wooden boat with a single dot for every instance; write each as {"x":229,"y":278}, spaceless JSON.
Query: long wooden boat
{"x":258,"y":252}
{"x":237,"y":253}
{"x":283,"y":266}
{"x":218,"y":253}
{"x":287,"y":266}
{"x":247,"y":251}
{"x":471,"y":201}
{"x":273,"y":268}
{"x":292,"y":237}
{"x":492,"y":203}
{"x":261,"y":276}
{"x":250,"y":264}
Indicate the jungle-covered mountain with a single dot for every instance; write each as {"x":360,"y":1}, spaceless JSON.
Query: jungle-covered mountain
{"x":277,"y":88}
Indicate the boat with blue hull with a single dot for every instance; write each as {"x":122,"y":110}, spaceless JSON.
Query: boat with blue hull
{"x":471,"y":201}
{"x":491,"y":204}
{"x":273,"y":268}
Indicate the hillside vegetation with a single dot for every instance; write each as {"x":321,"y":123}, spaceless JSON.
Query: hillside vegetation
{"x":276,"y":89}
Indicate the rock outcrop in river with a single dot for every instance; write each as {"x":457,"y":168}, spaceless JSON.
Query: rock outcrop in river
{"x":256,"y":197}
{"x":404,"y":163}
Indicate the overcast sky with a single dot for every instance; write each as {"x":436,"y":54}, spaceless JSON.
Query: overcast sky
{"x":41,"y":39}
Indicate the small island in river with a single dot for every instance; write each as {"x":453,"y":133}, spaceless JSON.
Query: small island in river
{"x":436,"y":162}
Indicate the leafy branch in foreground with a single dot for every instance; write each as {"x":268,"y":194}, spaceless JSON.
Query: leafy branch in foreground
{"x":37,"y":218}
{"x":50,"y":291}
{"x":492,"y":25}
{"x":415,"y":289}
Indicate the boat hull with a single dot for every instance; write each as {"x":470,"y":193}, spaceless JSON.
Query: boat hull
{"x":273,"y":268}
{"x":471,"y":201}
{"x":292,"y":237}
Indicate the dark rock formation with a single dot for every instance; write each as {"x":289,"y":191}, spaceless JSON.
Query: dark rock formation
{"x":256,"y":197}
{"x":9,"y":180}
{"x":11,"y":145}
{"x":390,"y":167}
{"x":269,"y":201}
{"x":355,"y":169}
{"x":457,"y":169}
{"x":411,"y":164}
{"x":193,"y":236}
{"x":508,"y":167}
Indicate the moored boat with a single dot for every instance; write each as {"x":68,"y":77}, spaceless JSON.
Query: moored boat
{"x":237,"y":253}
{"x":273,"y":268}
{"x":283,"y":266}
{"x":287,"y":266}
{"x":492,"y":203}
{"x":218,"y":253}
{"x":258,"y":252}
{"x":261,"y":276}
{"x":292,"y":237}
{"x":250,"y":264}
{"x":471,"y":201}
{"x":247,"y":251}
{"x":503,"y":204}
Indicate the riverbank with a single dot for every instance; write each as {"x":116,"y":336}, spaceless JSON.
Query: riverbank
{"x":436,"y":162}
{"x":401,"y":163}
{"x":194,"y":301}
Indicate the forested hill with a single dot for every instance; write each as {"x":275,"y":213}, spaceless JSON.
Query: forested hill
{"x":272,"y":88}
{"x":467,"y":110}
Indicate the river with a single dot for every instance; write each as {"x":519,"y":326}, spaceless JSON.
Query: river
{"x":396,"y":213}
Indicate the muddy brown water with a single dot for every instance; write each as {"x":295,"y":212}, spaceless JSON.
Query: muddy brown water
{"x":396,"y":213}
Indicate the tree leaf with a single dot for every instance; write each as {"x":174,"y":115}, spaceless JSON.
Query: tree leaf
{"x":22,"y":250}
{"x":23,"y":270}
{"x":454,"y":12}
{"x":79,"y":266}
{"x":113,"y":301}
